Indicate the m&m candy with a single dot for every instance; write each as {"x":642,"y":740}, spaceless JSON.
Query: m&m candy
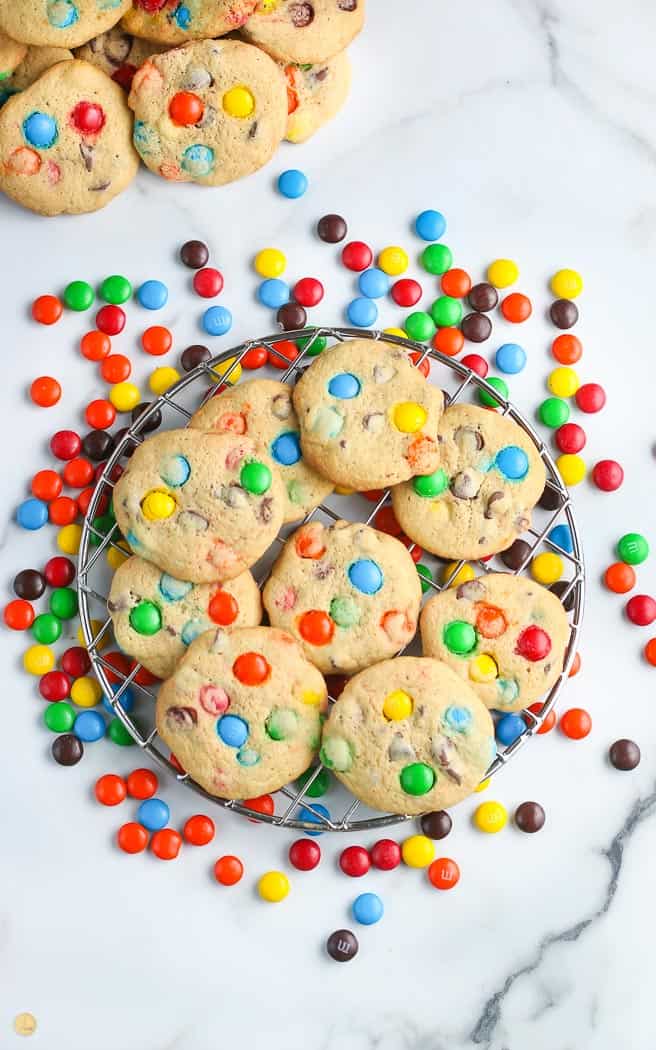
{"x":228,"y":870}
{"x":510,"y":358}
{"x":490,"y":817}
{"x":516,"y":307}
{"x":355,"y":861}
{"x":152,"y":295}
{"x":110,"y":789}
{"x":385,"y":854}
{"x":142,"y":783}
{"x":590,"y":397}
{"x":430,"y":225}
{"x":132,"y":838}
{"x":570,"y":437}
{"x":166,"y":844}
{"x":273,"y":886}
{"x":19,"y":614}
{"x":304,"y":854}
{"x":566,"y":284}
{"x":444,"y":873}
{"x":633,"y":548}
{"x":575,"y":723}
{"x":110,"y":320}
{"x":641,"y":610}
{"x":198,"y":830}
{"x":367,"y":909}
{"x":45,"y":391}
{"x":47,"y":309}
{"x":607,"y":475}
{"x":292,"y":183}
{"x":418,"y":851}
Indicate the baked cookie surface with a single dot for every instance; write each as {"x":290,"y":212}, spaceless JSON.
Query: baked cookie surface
{"x":479,"y":500}
{"x":118,"y":54}
{"x":203,"y":507}
{"x":242,"y":711}
{"x":293,"y":31}
{"x":178,"y":22}
{"x":315,"y":93}
{"x":408,"y":736}
{"x":35,"y":62}
{"x":11,"y":54}
{"x":156,"y":616}
{"x":368,"y":417}
{"x":505,"y":635}
{"x":210,"y":112}
{"x":349,"y":594}
{"x":59,"y":23}
{"x":263,"y":409}
{"x":66,"y":141}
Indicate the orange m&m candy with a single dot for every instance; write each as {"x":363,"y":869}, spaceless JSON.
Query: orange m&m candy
{"x":63,"y":510}
{"x":228,"y":870}
{"x":516,"y":308}
{"x":166,"y":843}
{"x":449,"y":341}
{"x":223,"y":608}
{"x":456,"y":283}
{"x":576,"y":723}
{"x":251,"y":669}
{"x":261,"y":804}
{"x":156,"y":340}
{"x":650,"y":652}
{"x":47,"y":309}
{"x":316,"y":627}
{"x":45,"y":391}
{"x":95,"y":345}
{"x":199,"y":830}
{"x":46,"y":485}
{"x":567,"y":349}
{"x":576,"y":666}
{"x":490,"y":621}
{"x":186,"y":108}
{"x":132,"y":837}
{"x":549,"y":721}
{"x":19,"y":614}
{"x":620,"y":577}
{"x":444,"y":873}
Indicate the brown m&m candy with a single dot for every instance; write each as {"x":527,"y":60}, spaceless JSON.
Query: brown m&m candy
{"x":530,"y":817}
{"x":291,"y":316}
{"x":193,"y":356}
{"x":332,"y":229}
{"x":98,"y":445}
{"x":558,"y":588}
{"x":67,"y":749}
{"x":194,"y":254}
{"x":550,"y":498}
{"x":564,"y":313}
{"x":517,"y":555}
{"x":154,"y":420}
{"x":476,"y":327}
{"x":29,"y":584}
{"x":342,"y":945}
{"x":436,"y":825}
{"x":624,"y":754}
{"x":483,"y":297}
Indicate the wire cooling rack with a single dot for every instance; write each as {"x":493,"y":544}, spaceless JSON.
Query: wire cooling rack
{"x":295,"y":807}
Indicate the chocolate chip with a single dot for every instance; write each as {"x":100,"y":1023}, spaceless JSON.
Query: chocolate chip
{"x":301,"y":15}
{"x":265,"y":509}
{"x":29,"y":584}
{"x":98,"y":445}
{"x":468,"y":440}
{"x":194,"y":254}
{"x":564,"y":313}
{"x":347,"y":5}
{"x":332,"y":229}
{"x":291,"y":316}
{"x":550,"y":498}
{"x":320,"y":74}
{"x":466,"y":484}
{"x":483,"y":297}
{"x":252,"y":131}
{"x":559,"y":589}
{"x":624,"y":754}
{"x":116,"y":47}
{"x":490,"y":509}
{"x":197,"y":78}
{"x":529,"y":817}
{"x":516,"y":555}
{"x":436,"y":825}
{"x":476,"y":327}
{"x":100,"y":187}
{"x":67,"y":750}
{"x":194,"y":355}
{"x":342,"y":945}
{"x":87,"y":152}
{"x":153,"y":421}
{"x":182,"y":717}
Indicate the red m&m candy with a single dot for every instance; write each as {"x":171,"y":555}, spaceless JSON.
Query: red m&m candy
{"x":548,"y":722}
{"x":88,"y":117}
{"x":533,"y":643}
{"x":607,"y":475}
{"x":304,"y":854}
{"x":641,"y":610}
{"x":406,"y":292}
{"x":590,"y":397}
{"x":385,"y":854}
{"x":477,"y":363}
{"x":110,"y":319}
{"x":354,"y":861}
{"x":207,"y":282}
{"x":54,"y":686}
{"x":308,"y":291}
{"x":65,"y":444}
{"x":356,"y":255}
{"x":75,"y":661}
{"x":261,"y":804}
{"x":570,"y":438}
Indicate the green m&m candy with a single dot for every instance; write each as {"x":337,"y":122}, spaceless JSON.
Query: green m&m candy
{"x":115,"y":289}
{"x":63,"y":603}
{"x":281,"y":724}
{"x":431,"y":485}
{"x":446,"y":311}
{"x":146,"y":618}
{"x":318,"y":344}
{"x":459,"y":637}
{"x":319,"y":785}
{"x":59,"y":717}
{"x":119,"y":734}
{"x":417,"y":778}
{"x":419,"y":326}
{"x":425,"y":577}
{"x":46,"y":628}
{"x":255,"y":477}
{"x":436,"y":258}
{"x":78,"y":295}
{"x":345,"y":611}
{"x":631,"y":548}
{"x":553,"y":412}
{"x":487,"y":399}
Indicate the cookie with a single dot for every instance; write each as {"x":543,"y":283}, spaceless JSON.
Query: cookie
{"x":479,"y":499}
{"x":304,"y":32}
{"x":59,"y":23}
{"x":33,"y":65}
{"x":315,"y":93}
{"x":349,"y":594}
{"x":368,"y":417}
{"x":118,"y":54}
{"x":505,"y":635}
{"x":262,"y":408}
{"x":65,"y":142}
{"x":209,"y":112}
{"x":156,"y":617}
{"x":242,"y":711}
{"x":203,"y":507}
{"x":11,"y":54}
{"x":177,"y":23}
{"x":408,"y":736}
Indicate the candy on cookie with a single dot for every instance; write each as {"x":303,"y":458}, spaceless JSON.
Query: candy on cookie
{"x":177,"y":23}
{"x":315,"y":94}
{"x":12,"y":54}
{"x":304,"y":32}
{"x":35,"y":62}
{"x":59,"y":23}
{"x":118,"y":54}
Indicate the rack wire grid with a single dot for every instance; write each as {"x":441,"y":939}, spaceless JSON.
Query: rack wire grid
{"x":298,"y":808}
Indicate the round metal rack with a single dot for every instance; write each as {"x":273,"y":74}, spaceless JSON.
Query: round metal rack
{"x":295,"y":807}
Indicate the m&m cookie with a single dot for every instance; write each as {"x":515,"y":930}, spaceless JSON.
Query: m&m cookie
{"x":315,"y":93}
{"x":209,"y":112}
{"x":263,"y":409}
{"x":505,"y":635}
{"x":59,"y":23}
{"x":349,"y":594}
{"x":368,"y":417}
{"x":156,"y":616}
{"x":11,"y":54}
{"x":65,"y":142}
{"x":176,"y":23}
{"x":479,"y":499}
{"x":408,"y":736}
{"x":35,"y":62}
{"x":203,"y":507}
{"x":118,"y":54}
{"x":242,"y":711}
{"x":304,"y":32}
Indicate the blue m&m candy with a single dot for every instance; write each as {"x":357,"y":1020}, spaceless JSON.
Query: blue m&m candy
{"x":175,"y":470}
{"x":512,"y":461}
{"x":311,"y":818}
{"x":362,"y":312}
{"x":430,"y":225}
{"x":562,"y":537}
{"x":32,"y":514}
{"x":273,"y":293}
{"x":286,"y":449}
{"x":292,"y":183}
{"x":125,"y":700}
{"x":232,"y":730}
{"x":89,"y":726}
{"x":217,"y":320}
{"x":40,"y":130}
{"x":344,"y":385}
{"x":367,"y":909}
{"x":182,"y":16}
{"x":510,"y":728}
{"x":365,"y":575}
{"x":373,"y":283}
{"x":152,"y":295}
{"x":510,"y":358}
{"x":153,"y":814}
{"x":197,"y":160}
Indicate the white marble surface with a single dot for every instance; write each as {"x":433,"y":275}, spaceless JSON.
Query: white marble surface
{"x":530,"y":124}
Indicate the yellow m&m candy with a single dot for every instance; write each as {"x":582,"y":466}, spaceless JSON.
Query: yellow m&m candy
{"x":270,"y":262}
{"x":490,"y":817}
{"x":273,"y":886}
{"x":563,"y":382}
{"x":124,"y":396}
{"x":86,"y":692}
{"x":484,"y":784}
{"x":238,"y":102}
{"x":220,"y":370}
{"x":162,"y":379}
{"x":418,"y":851}
{"x":393,"y":260}
{"x":571,"y":469}
{"x":38,"y":659}
{"x":502,"y":273}
{"x":409,"y":417}
{"x":395,"y":331}
{"x":483,"y":668}
{"x":547,"y":567}
{"x":158,"y":505}
{"x":464,"y":574}
{"x":95,"y":630}
{"x":68,"y":539}
{"x":567,"y":284}
{"x":397,"y":705}
{"x":116,"y":557}
{"x":311,"y":698}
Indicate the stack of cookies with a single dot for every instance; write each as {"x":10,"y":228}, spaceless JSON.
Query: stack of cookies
{"x":91,"y":86}
{"x":244,"y":706}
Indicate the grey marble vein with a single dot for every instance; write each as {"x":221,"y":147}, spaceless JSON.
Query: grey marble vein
{"x":485,"y":1027}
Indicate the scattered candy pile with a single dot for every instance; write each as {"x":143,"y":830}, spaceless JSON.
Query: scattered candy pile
{"x":66,"y":684}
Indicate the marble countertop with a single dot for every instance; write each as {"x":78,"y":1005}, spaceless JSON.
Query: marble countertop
{"x":529,"y":123}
